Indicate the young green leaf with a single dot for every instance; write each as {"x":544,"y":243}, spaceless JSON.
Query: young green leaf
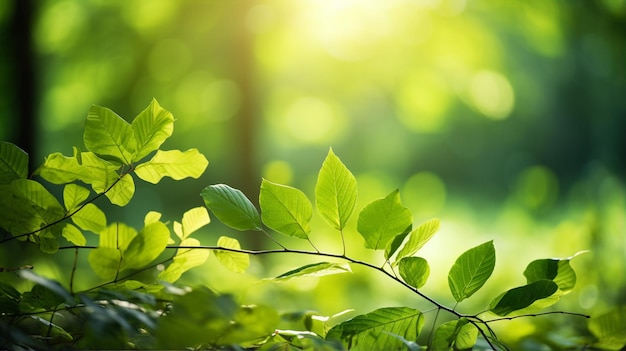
{"x":109,"y":136}
{"x":60,"y":169}
{"x":414,"y":271}
{"x":174,"y":164}
{"x":194,"y":219}
{"x":91,"y":218}
{"x":382,"y":220}
{"x":231,"y":207}
{"x":455,"y":335}
{"x":102,"y":174}
{"x":122,"y":191}
{"x":184,"y":260}
{"x":471,"y":270}
{"x":73,"y":196}
{"x":151,"y":127}
{"x":73,"y":235}
{"x":393,"y":245}
{"x":557,"y":270}
{"x":235,"y":261}
{"x":105,"y":261}
{"x":117,"y":236}
{"x":373,"y":331}
{"x":146,"y":246}
{"x":13,"y":163}
{"x":315,"y":270}
{"x":525,"y":299}
{"x":335,"y":192}
{"x":285,"y":209}
{"x":610,"y":329}
{"x":418,"y":238}
{"x":52,"y":285}
{"x":47,"y":207}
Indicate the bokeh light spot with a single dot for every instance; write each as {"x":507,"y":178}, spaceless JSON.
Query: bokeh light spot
{"x":424,"y":194}
{"x":278,"y":171}
{"x":423,"y":102}
{"x":537,"y":186}
{"x":59,"y":26}
{"x":148,"y":16}
{"x":312,"y":120}
{"x":169,"y":59}
{"x":491,"y":94}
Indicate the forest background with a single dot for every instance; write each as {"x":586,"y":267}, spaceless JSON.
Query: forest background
{"x":504,"y":120}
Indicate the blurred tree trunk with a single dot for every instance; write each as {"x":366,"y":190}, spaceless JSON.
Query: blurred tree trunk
{"x":21,"y":48}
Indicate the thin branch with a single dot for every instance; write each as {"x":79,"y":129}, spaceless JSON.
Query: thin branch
{"x":537,"y":315}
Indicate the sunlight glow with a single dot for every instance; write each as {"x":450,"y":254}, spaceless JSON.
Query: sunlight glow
{"x":491,"y":94}
{"x":312,"y":120}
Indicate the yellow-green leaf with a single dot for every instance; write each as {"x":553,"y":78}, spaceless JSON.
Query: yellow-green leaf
{"x":91,"y":218}
{"x":285,"y":209}
{"x":73,"y":196}
{"x":335,"y":191}
{"x":174,"y":164}
{"x":152,"y":127}
{"x":235,"y":261}
{"x":74,"y":235}
{"x":109,"y":136}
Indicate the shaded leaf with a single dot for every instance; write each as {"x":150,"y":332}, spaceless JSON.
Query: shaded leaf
{"x":610,"y":329}
{"x":418,"y":238}
{"x":109,"y":136}
{"x":151,"y":128}
{"x":285,"y":209}
{"x":174,"y":164}
{"x":315,"y":270}
{"x":394,"y":244}
{"x":471,"y":270}
{"x":231,"y":207}
{"x":414,"y":271}
{"x":524,"y":299}
{"x":382,"y":220}
{"x":13,"y":163}
{"x":455,"y":335}
{"x":335,"y":192}
{"x":375,"y":330}
{"x":235,"y":261}
{"x":558,"y":270}
{"x":50,"y":284}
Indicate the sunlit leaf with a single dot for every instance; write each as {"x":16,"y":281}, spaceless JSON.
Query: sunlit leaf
{"x":122,"y":191}
{"x":382,"y":220}
{"x":393,"y":245}
{"x":335,"y":192}
{"x":372,"y":331}
{"x":558,"y":270}
{"x":235,"y":261}
{"x":414,"y":271}
{"x":91,"y":218}
{"x":60,"y":169}
{"x":102,"y":174}
{"x":525,"y":299}
{"x":194,"y":219}
{"x":73,"y":235}
{"x":471,"y":270}
{"x":151,"y":217}
{"x":146,"y":246}
{"x":418,"y":238}
{"x":455,"y":335}
{"x":13,"y":163}
{"x":174,"y":164}
{"x":151,"y":127}
{"x":315,"y":270}
{"x":117,"y":236}
{"x":610,"y":329}
{"x":231,"y":207}
{"x":74,"y":195}
{"x":285,"y":209}
{"x":184,"y":260}
{"x":109,"y":136}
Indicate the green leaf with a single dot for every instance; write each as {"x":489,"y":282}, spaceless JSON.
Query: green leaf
{"x":174,"y":164}
{"x":73,"y":235}
{"x":194,"y":219}
{"x":393,"y":245}
{"x":73,"y":196}
{"x":117,"y":236}
{"x":557,"y":270}
{"x":418,"y":238}
{"x":105,"y":261}
{"x":285,"y":209}
{"x":91,"y":218}
{"x":13,"y":163}
{"x":231,"y":207}
{"x":122,"y":191}
{"x":414,"y":271}
{"x":382,"y":220}
{"x":471,"y":270}
{"x":455,"y":335}
{"x":251,"y":323}
{"x":525,"y":299}
{"x":109,"y":136}
{"x":60,"y":169}
{"x":315,"y":270}
{"x":146,"y":246}
{"x":51,"y":285}
{"x":235,"y":261}
{"x":335,"y":192}
{"x":151,"y":128}
{"x":41,"y":297}
{"x":372,"y":331}
{"x":184,"y":260}
{"x":47,"y":207}
{"x":610,"y":329}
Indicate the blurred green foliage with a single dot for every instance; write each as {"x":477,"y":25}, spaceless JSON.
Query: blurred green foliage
{"x":505,"y":120}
